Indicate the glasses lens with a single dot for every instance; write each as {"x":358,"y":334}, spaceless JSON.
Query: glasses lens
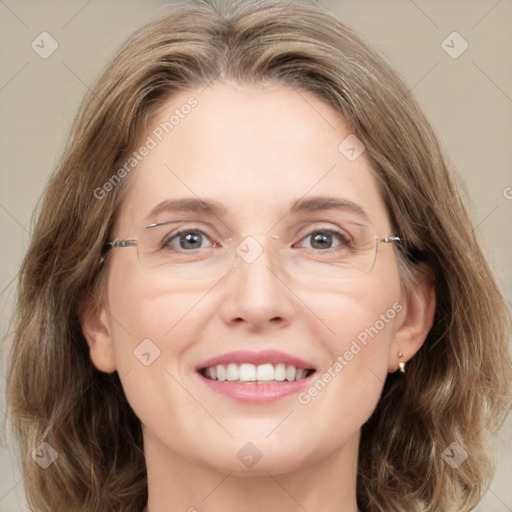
{"x":327,"y":256}
{"x":322,"y":255}
{"x":178,"y":252}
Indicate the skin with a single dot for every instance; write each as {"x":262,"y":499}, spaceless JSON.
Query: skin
{"x":255,"y":148}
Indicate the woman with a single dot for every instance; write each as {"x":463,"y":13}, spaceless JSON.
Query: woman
{"x":253,"y":285}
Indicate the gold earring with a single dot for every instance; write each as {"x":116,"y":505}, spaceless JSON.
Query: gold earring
{"x":401,"y":364}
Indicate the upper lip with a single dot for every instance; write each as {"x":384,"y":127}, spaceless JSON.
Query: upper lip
{"x":256,"y":358}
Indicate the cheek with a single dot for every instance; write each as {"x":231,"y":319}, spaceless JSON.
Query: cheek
{"x":362,"y":313}
{"x":362,"y":320}
{"x":143,"y":308}
{"x":150,"y":316}
{"x":152,"y":327}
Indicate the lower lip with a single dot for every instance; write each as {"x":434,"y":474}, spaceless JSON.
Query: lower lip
{"x":254,"y":393}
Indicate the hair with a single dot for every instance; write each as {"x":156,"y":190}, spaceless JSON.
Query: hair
{"x":456,"y":388}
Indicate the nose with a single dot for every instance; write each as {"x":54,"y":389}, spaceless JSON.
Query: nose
{"x":255,"y":295}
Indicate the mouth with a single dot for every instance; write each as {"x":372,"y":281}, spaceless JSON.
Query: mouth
{"x":252,"y":373}
{"x":256,"y":377}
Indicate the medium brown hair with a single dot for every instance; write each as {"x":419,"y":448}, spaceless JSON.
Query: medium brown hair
{"x":456,"y":388}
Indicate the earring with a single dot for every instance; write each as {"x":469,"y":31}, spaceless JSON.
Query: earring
{"x":401,"y":364}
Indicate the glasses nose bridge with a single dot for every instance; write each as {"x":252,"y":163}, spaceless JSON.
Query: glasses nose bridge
{"x":251,"y":246}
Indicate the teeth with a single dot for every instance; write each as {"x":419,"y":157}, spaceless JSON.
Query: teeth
{"x":280,"y":372}
{"x":232,"y":372}
{"x":247,"y":372}
{"x":291,"y":373}
{"x":221,"y":372}
{"x":301,"y":373}
{"x":265,"y":372}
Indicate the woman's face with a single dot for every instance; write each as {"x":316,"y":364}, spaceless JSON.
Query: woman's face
{"x":252,"y":288}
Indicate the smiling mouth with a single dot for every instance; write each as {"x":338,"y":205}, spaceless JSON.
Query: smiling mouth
{"x":263,"y":373}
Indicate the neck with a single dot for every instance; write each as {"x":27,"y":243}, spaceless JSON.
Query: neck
{"x":176,"y":483}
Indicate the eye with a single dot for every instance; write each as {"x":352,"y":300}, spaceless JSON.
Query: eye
{"x":188,"y":239}
{"x":326,"y":239}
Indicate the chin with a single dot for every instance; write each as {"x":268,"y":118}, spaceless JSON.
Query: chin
{"x":252,"y":457}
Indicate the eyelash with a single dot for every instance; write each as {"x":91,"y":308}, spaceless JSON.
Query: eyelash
{"x":342,"y":236}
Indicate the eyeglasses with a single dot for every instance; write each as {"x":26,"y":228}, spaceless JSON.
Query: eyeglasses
{"x":195,"y":251}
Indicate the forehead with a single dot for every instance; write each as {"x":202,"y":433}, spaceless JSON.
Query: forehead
{"x":254,"y":148}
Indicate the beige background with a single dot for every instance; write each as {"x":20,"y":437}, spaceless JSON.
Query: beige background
{"x":468,"y":100}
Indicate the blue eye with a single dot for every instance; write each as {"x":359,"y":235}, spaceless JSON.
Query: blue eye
{"x":324,"y":238}
{"x":188,"y":239}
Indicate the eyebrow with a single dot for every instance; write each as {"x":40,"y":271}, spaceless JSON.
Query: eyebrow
{"x":217,"y":209}
{"x":189,"y":204}
{"x":318,"y":203}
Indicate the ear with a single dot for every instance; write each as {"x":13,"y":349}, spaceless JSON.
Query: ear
{"x":416,"y":321}
{"x":94,"y":322}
